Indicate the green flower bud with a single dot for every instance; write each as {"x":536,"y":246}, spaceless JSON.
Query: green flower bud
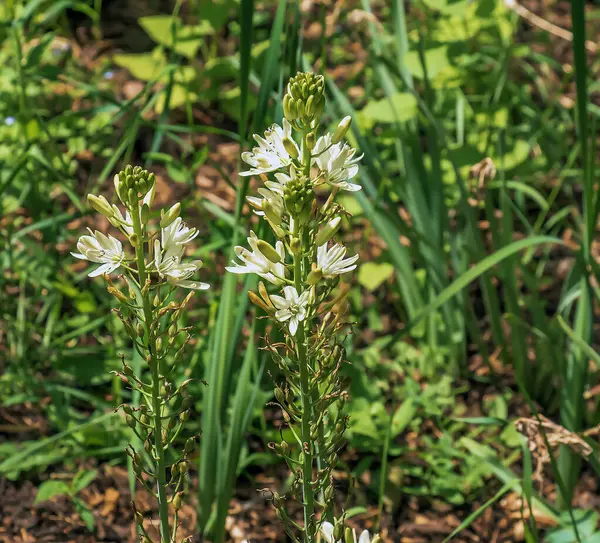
{"x":305,"y":98}
{"x":328,"y":231}
{"x":338,"y":531}
{"x":134,"y":239}
{"x":290,"y":147}
{"x":170,"y":215}
{"x":348,"y":535}
{"x":377,"y":539}
{"x":159,"y":344}
{"x":341,"y":129}
{"x":145,"y":215}
{"x":101,"y":205}
{"x":156,"y":301}
{"x":132,"y":197}
{"x":311,"y":140}
{"x":269,"y":251}
{"x":271,"y":213}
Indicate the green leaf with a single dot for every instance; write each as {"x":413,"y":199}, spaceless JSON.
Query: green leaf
{"x":403,"y":417}
{"x":215,"y":12}
{"x":399,"y":107}
{"x":184,"y":39}
{"x":143,"y":66}
{"x":83,"y":479}
{"x":372,"y":275}
{"x":50,"y":489}
{"x":84,"y":513}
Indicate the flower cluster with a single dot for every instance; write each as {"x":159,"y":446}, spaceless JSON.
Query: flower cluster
{"x":302,"y":174}
{"x":153,"y":270}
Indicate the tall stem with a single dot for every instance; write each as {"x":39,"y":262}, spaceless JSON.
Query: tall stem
{"x":307,"y":465}
{"x":161,"y":483}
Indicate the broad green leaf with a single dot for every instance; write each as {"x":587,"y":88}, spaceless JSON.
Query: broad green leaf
{"x":143,"y":66}
{"x":50,"y":489}
{"x":372,"y":275}
{"x":436,"y":59}
{"x":399,"y":107}
{"x":188,"y":38}
{"x":215,"y":12}
{"x":403,"y":416}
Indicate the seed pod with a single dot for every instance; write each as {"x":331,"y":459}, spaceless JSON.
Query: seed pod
{"x":159,"y":344}
{"x":189,"y":445}
{"x":184,"y":415}
{"x":279,"y":395}
{"x":177,"y":501}
{"x":131,"y":422}
{"x":144,"y":419}
{"x":183,"y":467}
{"x":156,"y":301}
{"x":148,"y":446}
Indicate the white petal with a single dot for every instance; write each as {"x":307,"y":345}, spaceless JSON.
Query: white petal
{"x":327,"y":531}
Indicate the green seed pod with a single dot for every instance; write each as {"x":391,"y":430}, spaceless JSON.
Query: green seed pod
{"x":159,"y":344}
{"x":144,"y":419}
{"x":184,"y":415}
{"x":184,"y":467}
{"x":131,"y":422}
{"x":156,"y":301}
{"x":177,"y":501}
{"x":189,"y":445}
{"x":279,"y":395}
{"x":140,"y":329}
{"x":127,"y":409}
{"x":148,"y":446}
{"x":329,"y":493}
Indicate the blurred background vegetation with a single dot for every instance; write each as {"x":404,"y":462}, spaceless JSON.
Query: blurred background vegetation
{"x":474,"y":377}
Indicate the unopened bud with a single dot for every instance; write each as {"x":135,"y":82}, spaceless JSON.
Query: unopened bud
{"x":256,"y":300}
{"x":376,"y":539}
{"x":101,"y":205}
{"x":328,"y":231}
{"x":271,"y":213}
{"x":145,"y":215}
{"x":290,"y":147}
{"x":311,"y":140}
{"x":329,"y":493}
{"x":170,"y":215}
{"x":348,"y":535}
{"x":132,"y":197}
{"x":269,"y":251}
{"x":342,"y":129}
{"x":338,"y":531}
{"x":156,"y":301}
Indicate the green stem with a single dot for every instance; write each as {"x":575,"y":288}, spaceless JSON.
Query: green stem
{"x":307,"y":407}
{"x":161,"y":483}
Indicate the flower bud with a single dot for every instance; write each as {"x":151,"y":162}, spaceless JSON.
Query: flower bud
{"x":311,"y":140}
{"x":271,"y":213}
{"x":338,"y":530}
{"x":168,"y":217}
{"x":132,"y":197}
{"x":290,"y":147}
{"x":145,"y":214}
{"x":377,"y":539}
{"x":328,"y":231}
{"x":342,"y":129}
{"x":269,"y":251}
{"x":348,"y":535}
{"x":159,"y":344}
{"x":101,"y":205}
{"x":256,"y":300}
{"x":156,"y":301}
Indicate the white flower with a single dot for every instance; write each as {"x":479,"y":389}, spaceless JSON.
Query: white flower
{"x":256,"y":262}
{"x":168,"y":264}
{"x":291,"y":308}
{"x":271,"y":154}
{"x":102,"y":249}
{"x":332,"y":262}
{"x":327,"y":531}
{"x":336,"y":163}
{"x":177,"y":233}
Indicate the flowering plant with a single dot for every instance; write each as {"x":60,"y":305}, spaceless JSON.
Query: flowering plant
{"x":150,"y":316}
{"x":305,"y":268}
